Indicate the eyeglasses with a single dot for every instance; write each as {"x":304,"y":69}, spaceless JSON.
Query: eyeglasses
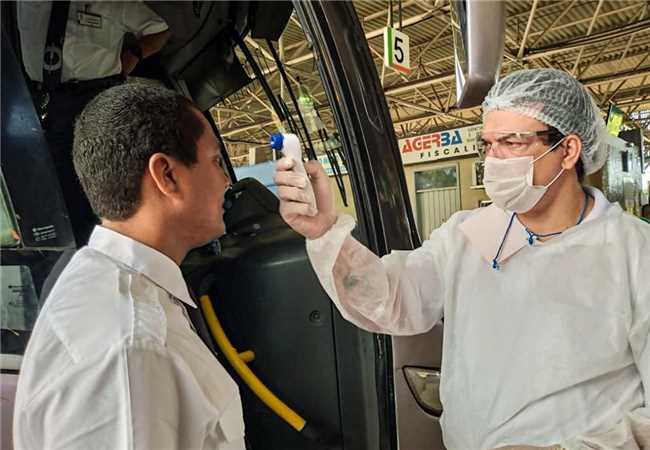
{"x":513,"y":141}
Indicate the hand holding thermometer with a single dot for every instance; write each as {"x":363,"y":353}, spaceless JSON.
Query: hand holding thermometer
{"x":290,"y":146}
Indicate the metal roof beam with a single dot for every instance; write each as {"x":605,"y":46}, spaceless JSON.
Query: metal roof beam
{"x":586,"y":19}
{"x":370,"y":35}
{"x":555,"y":21}
{"x":590,"y":82}
{"x":424,"y":108}
{"x":379,"y":14}
{"x":589,"y":30}
{"x":574,"y":44}
{"x":528,"y":25}
{"x":606,"y":46}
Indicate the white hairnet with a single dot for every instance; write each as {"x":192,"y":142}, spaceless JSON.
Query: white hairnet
{"x":559,"y":100}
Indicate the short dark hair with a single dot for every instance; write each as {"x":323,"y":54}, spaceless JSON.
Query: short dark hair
{"x":117,"y":133}
{"x":553,"y":137}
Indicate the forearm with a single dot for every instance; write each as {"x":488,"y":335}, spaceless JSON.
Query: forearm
{"x":152,"y":43}
{"x":397,"y":294}
{"x":330,"y":255}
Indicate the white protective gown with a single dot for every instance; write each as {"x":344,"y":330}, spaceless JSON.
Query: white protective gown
{"x":551,"y":348}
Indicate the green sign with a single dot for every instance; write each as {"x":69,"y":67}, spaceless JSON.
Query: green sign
{"x":614,"y":120}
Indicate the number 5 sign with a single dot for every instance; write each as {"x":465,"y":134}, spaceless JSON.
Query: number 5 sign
{"x":396,"y":50}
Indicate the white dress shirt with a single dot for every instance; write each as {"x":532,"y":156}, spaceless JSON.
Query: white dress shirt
{"x":551,"y":348}
{"x":93,"y":36}
{"x":113,"y":362}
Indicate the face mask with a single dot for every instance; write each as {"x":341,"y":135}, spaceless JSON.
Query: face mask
{"x":509,"y":182}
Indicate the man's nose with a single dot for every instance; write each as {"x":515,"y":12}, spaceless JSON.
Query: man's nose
{"x":495,"y":151}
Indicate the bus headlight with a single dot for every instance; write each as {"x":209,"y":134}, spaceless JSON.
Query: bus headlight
{"x":425,"y":386}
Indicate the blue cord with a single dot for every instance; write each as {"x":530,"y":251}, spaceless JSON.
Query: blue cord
{"x":495,"y":264}
{"x":532,"y":235}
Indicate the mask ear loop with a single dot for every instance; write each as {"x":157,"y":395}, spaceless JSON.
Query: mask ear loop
{"x":553,"y":147}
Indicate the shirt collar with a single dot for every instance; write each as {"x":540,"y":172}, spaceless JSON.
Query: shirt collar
{"x":487,"y":226}
{"x":156,"y":266}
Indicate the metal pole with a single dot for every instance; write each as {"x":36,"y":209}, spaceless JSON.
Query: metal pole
{"x":310,"y":150}
{"x":258,"y":73}
{"x":399,"y":8}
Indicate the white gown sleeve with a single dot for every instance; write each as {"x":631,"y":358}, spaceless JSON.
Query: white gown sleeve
{"x":400,"y":294}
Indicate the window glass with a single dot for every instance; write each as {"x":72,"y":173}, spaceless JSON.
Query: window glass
{"x":439,"y":178}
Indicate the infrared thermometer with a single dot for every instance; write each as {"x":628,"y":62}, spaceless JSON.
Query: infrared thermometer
{"x":290,"y":146}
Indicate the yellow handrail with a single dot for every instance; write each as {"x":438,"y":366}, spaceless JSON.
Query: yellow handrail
{"x":237,"y":361}
{"x":247,"y":356}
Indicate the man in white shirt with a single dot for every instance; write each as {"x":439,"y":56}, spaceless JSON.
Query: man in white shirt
{"x":94,"y":36}
{"x":102,"y":42}
{"x":113,"y":362}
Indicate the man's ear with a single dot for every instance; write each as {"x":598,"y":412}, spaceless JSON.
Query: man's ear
{"x":162,"y":170}
{"x":572,"y":150}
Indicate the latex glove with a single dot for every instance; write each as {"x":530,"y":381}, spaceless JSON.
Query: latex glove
{"x":294,"y":200}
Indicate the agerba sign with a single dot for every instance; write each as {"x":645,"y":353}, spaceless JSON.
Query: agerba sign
{"x":440,"y":145}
